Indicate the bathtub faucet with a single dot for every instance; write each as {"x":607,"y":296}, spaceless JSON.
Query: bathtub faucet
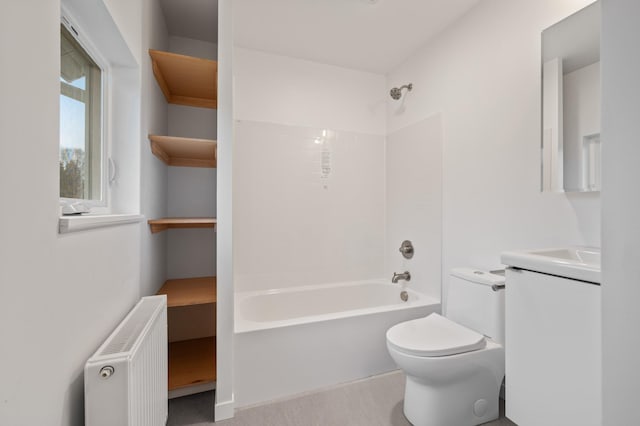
{"x":404,"y":276}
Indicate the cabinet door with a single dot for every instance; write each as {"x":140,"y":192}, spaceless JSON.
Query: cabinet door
{"x":553,"y":350}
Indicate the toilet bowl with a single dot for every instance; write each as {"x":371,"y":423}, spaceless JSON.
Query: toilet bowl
{"x":453,"y":370}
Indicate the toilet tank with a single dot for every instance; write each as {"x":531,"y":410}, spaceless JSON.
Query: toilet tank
{"x":476,"y":300}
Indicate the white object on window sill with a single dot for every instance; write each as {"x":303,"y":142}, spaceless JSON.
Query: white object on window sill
{"x":68,"y":224}
{"x":74,"y":208}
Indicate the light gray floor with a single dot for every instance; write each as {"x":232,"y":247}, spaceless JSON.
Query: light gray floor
{"x":376,"y":401}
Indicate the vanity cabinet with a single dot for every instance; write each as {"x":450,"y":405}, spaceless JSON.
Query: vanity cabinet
{"x":553,"y":350}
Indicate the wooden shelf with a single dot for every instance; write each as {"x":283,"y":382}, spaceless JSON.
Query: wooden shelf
{"x":159,"y":225}
{"x":186,"y":80}
{"x":192,"y":362}
{"x":185,"y":152}
{"x":189,"y":291}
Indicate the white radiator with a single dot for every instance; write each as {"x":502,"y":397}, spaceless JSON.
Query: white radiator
{"x":125,"y":381}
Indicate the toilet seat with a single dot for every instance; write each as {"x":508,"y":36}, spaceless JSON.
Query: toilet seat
{"x":434,"y":336}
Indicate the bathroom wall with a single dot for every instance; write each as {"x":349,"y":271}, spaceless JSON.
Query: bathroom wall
{"x":620,"y":211}
{"x":60,"y":295}
{"x":482,"y":75}
{"x":191,"y":191}
{"x":294,"y":224}
{"x":193,"y":47}
{"x":414,"y":203}
{"x":289,"y":91}
{"x":153,"y":172}
{"x":224,"y":404}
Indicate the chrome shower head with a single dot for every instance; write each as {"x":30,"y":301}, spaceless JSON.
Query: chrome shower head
{"x":396,"y":92}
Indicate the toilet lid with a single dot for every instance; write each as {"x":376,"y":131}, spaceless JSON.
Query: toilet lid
{"x":433,"y":335}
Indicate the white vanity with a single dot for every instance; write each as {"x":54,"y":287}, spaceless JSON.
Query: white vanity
{"x":553,"y":337}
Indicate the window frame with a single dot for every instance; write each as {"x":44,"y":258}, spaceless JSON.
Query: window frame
{"x":83,"y":38}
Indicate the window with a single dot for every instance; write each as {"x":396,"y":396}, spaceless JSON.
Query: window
{"x":81,"y":123}
{"x":100,"y":126}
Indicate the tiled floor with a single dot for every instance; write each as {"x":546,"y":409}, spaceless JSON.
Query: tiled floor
{"x":375,"y":401}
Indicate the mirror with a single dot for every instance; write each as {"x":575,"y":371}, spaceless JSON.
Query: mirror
{"x":571,"y":103}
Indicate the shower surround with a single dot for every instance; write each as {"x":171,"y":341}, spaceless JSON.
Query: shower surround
{"x":309,"y":204}
{"x":321,"y":194}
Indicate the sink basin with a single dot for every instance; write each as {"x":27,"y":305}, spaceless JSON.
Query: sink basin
{"x":585,"y":256}
{"x":579,"y":263}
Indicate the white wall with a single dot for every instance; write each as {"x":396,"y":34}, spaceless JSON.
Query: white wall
{"x":191,"y":252}
{"x":60,"y":296}
{"x":224,"y":404}
{"x":154,"y":175}
{"x":620,"y":211}
{"x":483,"y":75}
{"x":192,"y":122}
{"x":414,"y":203}
{"x":193,"y":47}
{"x":295,"y":227}
{"x":278,"y":89}
{"x":292,"y":226}
{"x":127,"y":15}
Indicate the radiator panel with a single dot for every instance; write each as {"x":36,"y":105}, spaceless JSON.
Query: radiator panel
{"x":135,"y":394}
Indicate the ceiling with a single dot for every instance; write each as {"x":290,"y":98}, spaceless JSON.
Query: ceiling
{"x":197,"y":19}
{"x":370,"y":35}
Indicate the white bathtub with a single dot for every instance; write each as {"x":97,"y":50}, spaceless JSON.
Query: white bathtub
{"x":289,"y":341}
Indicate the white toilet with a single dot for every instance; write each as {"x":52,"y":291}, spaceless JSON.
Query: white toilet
{"x":454,"y":365}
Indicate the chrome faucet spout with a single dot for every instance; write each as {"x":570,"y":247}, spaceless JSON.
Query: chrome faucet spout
{"x":403,"y":276}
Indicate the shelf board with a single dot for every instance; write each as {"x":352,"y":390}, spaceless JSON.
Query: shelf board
{"x":186,"y":80}
{"x":189,"y":291}
{"x":184,"y":152}
{"x":159,"y":225}
{"x":192,"y":362}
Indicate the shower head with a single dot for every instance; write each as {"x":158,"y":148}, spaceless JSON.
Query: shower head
{"x":396,"y":92}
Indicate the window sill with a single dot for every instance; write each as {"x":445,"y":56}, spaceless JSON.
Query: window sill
{"x":68,"y":224}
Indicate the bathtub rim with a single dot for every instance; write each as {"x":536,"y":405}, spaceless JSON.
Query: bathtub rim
{"x":242,"y":325}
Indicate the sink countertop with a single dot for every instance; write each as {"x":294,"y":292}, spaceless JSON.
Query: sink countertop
{"x":579,"y":263}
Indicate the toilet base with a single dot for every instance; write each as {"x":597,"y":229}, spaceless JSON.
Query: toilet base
{"x":464,"y":403}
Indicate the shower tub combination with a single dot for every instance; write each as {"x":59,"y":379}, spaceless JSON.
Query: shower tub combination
{"x":289,"y":341}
